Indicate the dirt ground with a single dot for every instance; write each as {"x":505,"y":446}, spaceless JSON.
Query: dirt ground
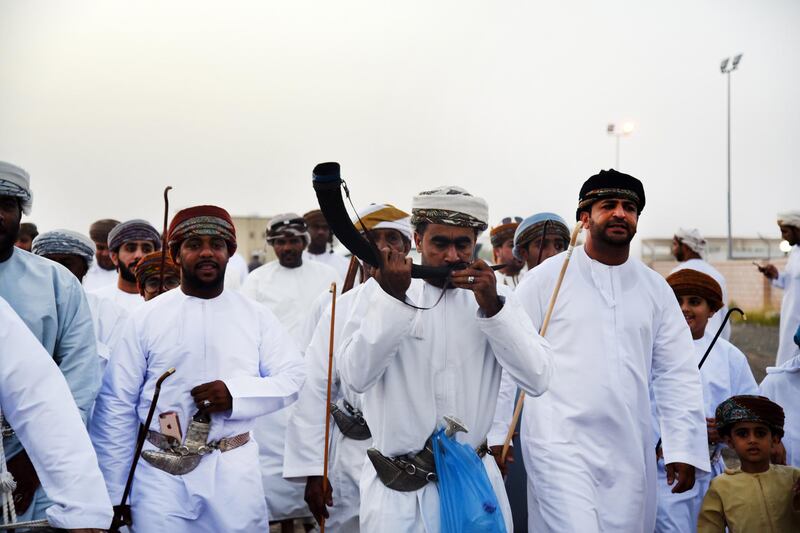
{"x":759,"y":344}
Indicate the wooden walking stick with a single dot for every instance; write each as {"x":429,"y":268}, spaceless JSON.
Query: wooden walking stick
{"x":328,"y":404}
{"x":164,"y":240}
{"x":518,"y":408}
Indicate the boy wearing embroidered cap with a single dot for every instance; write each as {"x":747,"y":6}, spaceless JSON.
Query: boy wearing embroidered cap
{"x":724,"y":373}
{"x":502,"y":239}
{"x":102,"y":272}
{"x":533,"y":246}
{"x":758,"y":496}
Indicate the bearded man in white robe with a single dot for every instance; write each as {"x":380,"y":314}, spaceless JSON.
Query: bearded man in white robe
{"x":419,"y":350}
{"x":389,"y":228}
{"x":588,"y":442}
{"x":234,"y":362}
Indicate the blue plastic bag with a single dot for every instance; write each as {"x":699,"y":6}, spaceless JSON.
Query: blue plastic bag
{"x":467,"y":501}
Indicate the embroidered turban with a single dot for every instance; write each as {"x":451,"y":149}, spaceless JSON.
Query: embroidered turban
{"x":692,"y":239}
{"x":16,"y":182}
{"x":688,"y":282}
{"x":748,"y":408}
{"x":150,"y":265}
{"x":790,"y":218}
{"x":287,"y":225}
{"x":99,"y":230}
{"x":610,"y":184}
{"x":64,"y":241}
{"x":198,"y":221}
{"x":504,"y":230}
{"x":133,"y":230}
{"x":384,"y":216}
{"x":532,"y":228}
{"x":450,"y":205}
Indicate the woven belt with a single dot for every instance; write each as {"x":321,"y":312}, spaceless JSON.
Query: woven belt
{"x":168,"y":443}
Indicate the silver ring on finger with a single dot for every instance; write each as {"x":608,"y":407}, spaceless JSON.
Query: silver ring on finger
{"x":206,"y":404}
{"x":470,"y":279}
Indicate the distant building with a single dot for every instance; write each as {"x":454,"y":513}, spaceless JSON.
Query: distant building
{"x":747,"y":288}
{"x":251,"y":237}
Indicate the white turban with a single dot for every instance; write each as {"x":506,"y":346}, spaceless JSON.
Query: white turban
{"x":16,"y":182}
{"x":384,"y":216}
{"x":692,"y":239}
{"x":789,"y":218}
{"x":450,"y":205}
{"x":64,"y":241}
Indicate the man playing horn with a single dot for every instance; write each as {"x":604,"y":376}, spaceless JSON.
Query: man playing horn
{"x":419,"y":350}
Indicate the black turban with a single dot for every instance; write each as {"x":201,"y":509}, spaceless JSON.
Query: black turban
{"x":610,"y":184}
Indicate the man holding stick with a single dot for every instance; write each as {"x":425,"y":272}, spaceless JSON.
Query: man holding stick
{"x":588,"y":444}
{"x":420,"y":350}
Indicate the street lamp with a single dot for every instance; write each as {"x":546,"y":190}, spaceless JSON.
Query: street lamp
{"x":623,"y":131}
{"x":727,"y":66}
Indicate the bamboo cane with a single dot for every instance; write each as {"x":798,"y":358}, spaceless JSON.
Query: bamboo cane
{"x":328,"y":403}
{"x":518,"y":408}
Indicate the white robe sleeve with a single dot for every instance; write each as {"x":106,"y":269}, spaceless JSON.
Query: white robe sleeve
{"x":305,"y":432}
{"x":38,"y":404}
{"x":282,"y":369}
{"x":780,"y":281}
{"x":519,"y":349}
{"x":115,"y":422}
{"x":677,"y":388}
{"x":373,"y":338}
{"x":504,"y":412}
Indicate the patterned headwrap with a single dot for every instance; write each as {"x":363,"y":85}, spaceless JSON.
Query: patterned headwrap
{"x":133,"y":230}
{"x":789,"y":218}
{"x":610,"y":184}
{"x":287,"y":225}
{"x":692,"y":239}
{"x":688,"y":282}
{"x":16,"y":182}
{"x":64,"y":241}
{"x":504,"y":230}
{"x":315,"y":215}
{"x":450,"y":205}
{"x":198,"y":221}
{"x":384,"y":216}
{"x":150,"y":265}
{"x":99,"y":230}
{"x":746,"y":408}
{"x":532,"y":227}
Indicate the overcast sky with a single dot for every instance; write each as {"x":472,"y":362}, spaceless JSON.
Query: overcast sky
{"x":233,"y":103}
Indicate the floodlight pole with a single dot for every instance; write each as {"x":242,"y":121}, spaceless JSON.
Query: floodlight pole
{"x":726,"y":69}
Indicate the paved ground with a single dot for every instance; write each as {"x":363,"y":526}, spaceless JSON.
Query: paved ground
{"x":759,"y":344}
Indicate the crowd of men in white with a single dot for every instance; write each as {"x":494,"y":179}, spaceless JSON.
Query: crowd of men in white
{"x":617,"y":430}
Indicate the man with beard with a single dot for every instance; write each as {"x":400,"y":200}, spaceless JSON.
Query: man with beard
{"x":233,"y":361}
{"x":789,"y":281}
{"x":76,"y":252}
{"x":419,"y":350}
{"x":320,"y":238}
{"x":390,"y":229}
{"x":502,"y":238}
{"x":588,"y":443}
{"x":688,"y":247}
{"x":128,"y":242}
{"x":49,"y":299}
{"x":102,"y":272}
{"x":288,"y":286}
{"x":27,"y":232}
